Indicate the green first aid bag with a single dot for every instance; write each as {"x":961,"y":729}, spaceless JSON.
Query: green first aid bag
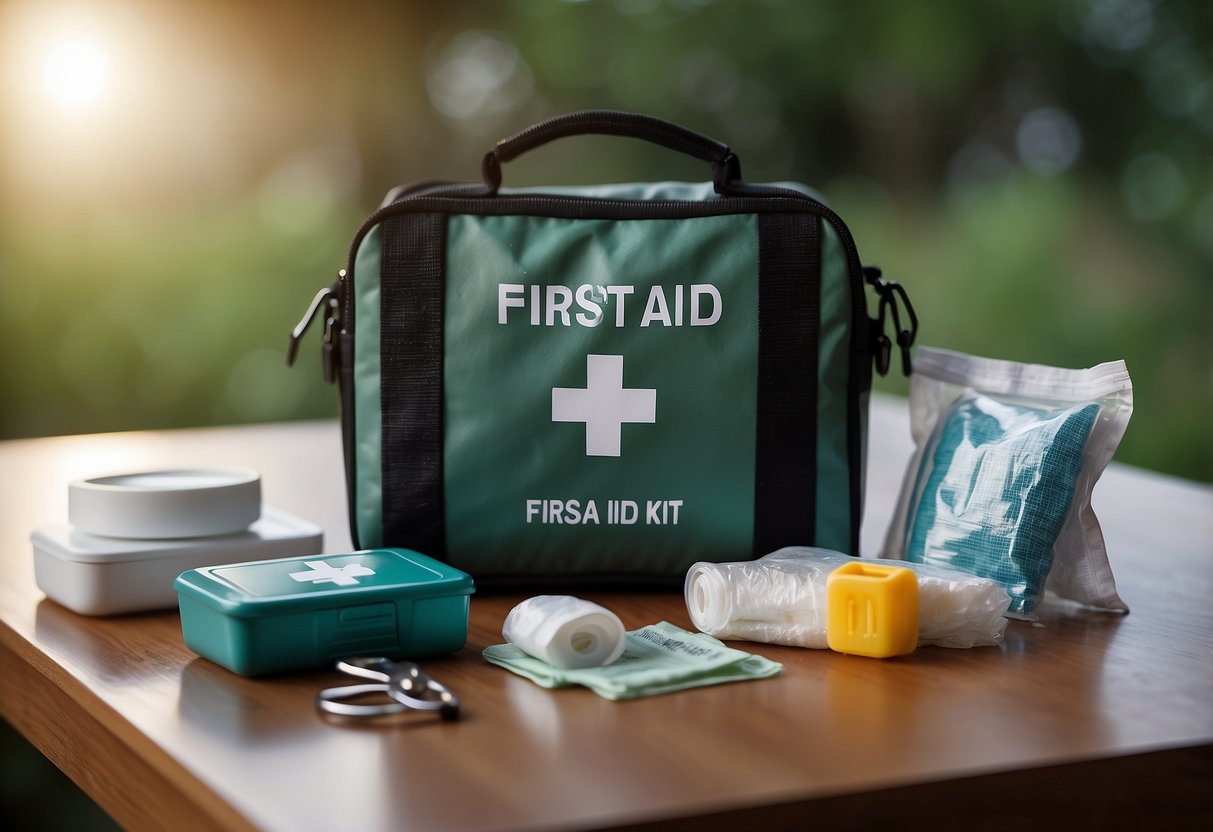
{"x":561,"y":387}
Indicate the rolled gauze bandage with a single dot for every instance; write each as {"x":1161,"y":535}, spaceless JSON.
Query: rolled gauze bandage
{"x":565,"y":631}
{"x":781,"y":599}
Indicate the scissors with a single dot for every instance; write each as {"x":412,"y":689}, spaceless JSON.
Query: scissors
{"x":407,"y":686}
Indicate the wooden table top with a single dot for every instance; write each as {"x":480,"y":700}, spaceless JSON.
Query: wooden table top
{"x":1076,"y":717}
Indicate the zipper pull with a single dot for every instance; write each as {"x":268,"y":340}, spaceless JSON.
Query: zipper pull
{"x":891,"y":294}
{"x":326,"y":300}
{"x":328,"y":347}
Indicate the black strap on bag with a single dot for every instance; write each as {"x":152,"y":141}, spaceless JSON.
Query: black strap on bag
{"x":726,"y":167}
{"x":785,"y":454}
{"x":411,"y":325}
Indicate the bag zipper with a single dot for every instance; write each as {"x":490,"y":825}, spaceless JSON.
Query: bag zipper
{"x":326,"y":298}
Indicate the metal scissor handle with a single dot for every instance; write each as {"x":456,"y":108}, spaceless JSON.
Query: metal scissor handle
{"x":408,"y":686}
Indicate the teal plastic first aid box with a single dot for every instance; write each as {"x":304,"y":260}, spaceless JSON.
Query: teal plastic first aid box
{"x":294,"y":613}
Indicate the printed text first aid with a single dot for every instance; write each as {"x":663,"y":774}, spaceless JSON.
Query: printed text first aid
{"x":698,"y":304}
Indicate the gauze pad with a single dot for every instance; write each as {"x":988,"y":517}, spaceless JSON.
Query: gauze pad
{"x":565,"y":631}
{"x":997,"y":489}
{"x":1006,"y":457}
{"x":659,"y":658}
{"x":782,"y":599}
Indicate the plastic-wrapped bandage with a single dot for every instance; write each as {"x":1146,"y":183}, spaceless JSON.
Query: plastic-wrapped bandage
{"x":782,"y":599}
{"x":1006,"y":457}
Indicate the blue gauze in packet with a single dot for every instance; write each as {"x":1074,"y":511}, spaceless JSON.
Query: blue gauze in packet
{"x":1006,"y":456}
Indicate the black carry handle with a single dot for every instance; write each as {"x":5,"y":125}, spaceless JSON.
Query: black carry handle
{"x":726,"y":167}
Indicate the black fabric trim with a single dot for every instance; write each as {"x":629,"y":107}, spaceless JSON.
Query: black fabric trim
{"x":411,"y":291}
{"x":789,"y":311}
{"x":859,"y":384}
{"x":345,"y":383}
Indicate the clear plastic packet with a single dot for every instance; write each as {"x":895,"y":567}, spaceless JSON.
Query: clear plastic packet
{"x":782,"y":599}
{"x":1006,"y":457}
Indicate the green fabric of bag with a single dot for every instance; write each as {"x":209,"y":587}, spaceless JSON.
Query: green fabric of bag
{"x":562,"y":386}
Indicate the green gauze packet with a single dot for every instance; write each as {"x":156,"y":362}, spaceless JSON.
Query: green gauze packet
{"x":659,"y":658}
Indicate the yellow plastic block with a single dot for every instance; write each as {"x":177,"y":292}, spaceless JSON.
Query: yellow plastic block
{"x":872,"y":610}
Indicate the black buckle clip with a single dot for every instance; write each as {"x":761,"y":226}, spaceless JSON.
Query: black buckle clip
{"x":325,"y":299}
{"x":890,"y":293}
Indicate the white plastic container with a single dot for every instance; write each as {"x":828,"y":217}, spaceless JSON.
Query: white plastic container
{"x":97,"y":575}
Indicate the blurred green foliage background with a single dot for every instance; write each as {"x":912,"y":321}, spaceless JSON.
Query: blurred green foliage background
{"x":177,"y":179}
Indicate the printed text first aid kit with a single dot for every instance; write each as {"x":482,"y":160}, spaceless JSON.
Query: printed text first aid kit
{"x":575,"y":386}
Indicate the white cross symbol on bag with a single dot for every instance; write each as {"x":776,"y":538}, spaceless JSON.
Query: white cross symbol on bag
{"x":604,"y":404}
{"x":323,"y":573}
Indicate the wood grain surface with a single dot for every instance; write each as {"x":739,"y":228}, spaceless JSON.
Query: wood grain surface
{"x":1086,"y":716}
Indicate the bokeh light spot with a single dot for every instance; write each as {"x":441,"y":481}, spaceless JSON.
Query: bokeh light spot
{"x":76,"y":74}
{"x":479,"y":74}
{"x":1048,"y":140}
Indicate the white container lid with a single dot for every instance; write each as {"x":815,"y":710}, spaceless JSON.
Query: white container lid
{"x":177,"y":503}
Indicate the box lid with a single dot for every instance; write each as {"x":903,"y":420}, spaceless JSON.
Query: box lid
{"x":268,"y":587}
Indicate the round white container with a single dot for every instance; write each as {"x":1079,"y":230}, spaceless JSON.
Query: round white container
{"x":178,"y":503}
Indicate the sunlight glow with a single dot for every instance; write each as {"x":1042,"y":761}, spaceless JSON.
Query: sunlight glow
{"x":76,"y":74}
